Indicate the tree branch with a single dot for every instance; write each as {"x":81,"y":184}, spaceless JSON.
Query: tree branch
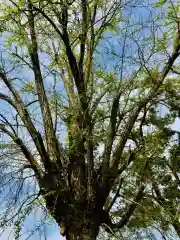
{"x":115,"y":196}
{"x":168,"y":207}
{"x":139,"y":195}
{"x":34,"y":164}
{"x":52,"y":142}
{"x":127,"y":163}
{"x":152,"y":93}
{"x":111,"y":132}
{"x":5,"y":121}
{"x":126,"y":216}
{"x":8,"y":99}
{"x":84,"y":6}
{"x":127,"y":129}
{"x":78,"y":77}
{"x":26,"y":119}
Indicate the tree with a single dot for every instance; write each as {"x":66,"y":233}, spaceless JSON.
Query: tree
{"x":83,"y":136}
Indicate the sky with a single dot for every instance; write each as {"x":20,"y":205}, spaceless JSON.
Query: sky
{"x":53,"y":235}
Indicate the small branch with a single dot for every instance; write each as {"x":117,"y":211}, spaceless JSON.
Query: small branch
{"x":138,"y":196}
{"x":22,"y":59}
{"x":131,"y":209}
{"x":174,"y":173}
{"x":35,"y":166}
{"x":98,"y":100}
{"x":162,"y":234}
{"x":175,"y":71}
{"x":142,"y":123}
{"x":21,"y":207}
{"x":115,"y":196}
{"x":8,"y":123}
{"x":8,"y":100}
{"x":48,"y":19}
{"x":167,"y":205}
{"x":30,"y":103}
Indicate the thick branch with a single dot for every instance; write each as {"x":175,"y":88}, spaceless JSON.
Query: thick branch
{"x":111,"y":132}
{"x":85,"y":119}
{"x":26,"y":119}
{"x":78,"y":77}
{"x":84,"y":33}
{"x":126,"y":164}
{"x":127,"y":129}
{"x":52,"y":144}
{"x":90,"y":48}
{"x":77,"y":74}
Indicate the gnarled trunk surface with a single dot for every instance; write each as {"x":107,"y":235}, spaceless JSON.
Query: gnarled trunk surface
{"x":82,"y":229}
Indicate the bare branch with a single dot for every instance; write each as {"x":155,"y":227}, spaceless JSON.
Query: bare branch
{"x":8,"y":99}
{"x":8,"y":123}
{"x":115,"y":196}
{"x":131,"y":209}
{"x":35,"y":166}
{"x":138,"y":197}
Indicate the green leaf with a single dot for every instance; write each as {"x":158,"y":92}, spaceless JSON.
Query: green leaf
{"x":159,"y":3}
{"x":113,"y":53}
{"x":29,"y":87}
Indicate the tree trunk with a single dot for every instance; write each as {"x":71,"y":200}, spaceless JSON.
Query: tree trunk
{"x":82,"y":230}
{"x":84,"y":235}
{"x":176,"y":226}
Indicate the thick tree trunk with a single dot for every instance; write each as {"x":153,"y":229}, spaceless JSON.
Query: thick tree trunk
{"x":84,"y":235}
{"x":176,"y":226}
{"x":82,"y":230}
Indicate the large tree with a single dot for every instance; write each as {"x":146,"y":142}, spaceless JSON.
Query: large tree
{"x":89,"y":90}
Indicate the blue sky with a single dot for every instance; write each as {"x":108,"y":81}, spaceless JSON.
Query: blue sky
{"x":53,"y":234}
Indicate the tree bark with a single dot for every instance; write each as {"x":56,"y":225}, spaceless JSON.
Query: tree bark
{"x":86,"y":234}
{"x":82,"y":230}
{"x":176,"y":226}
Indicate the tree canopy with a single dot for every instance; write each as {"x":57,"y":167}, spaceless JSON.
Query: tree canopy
{"x":89,"y":117}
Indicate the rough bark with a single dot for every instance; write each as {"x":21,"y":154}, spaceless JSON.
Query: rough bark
{"x":76,"y":218}
{"x":83,"y":229}
{"x":176,"y":226}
